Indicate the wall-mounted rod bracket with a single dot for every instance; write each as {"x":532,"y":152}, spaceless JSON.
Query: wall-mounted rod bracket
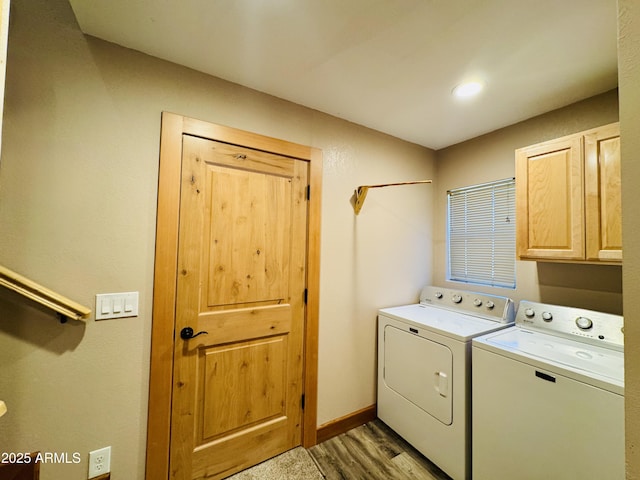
{"x":361,"y":191}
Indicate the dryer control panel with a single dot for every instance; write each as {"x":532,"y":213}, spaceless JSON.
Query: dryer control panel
{"x":589,"y":326}
{"x":490,"y":307}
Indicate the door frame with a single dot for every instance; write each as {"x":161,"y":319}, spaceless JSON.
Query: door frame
{"x":165,"y":277}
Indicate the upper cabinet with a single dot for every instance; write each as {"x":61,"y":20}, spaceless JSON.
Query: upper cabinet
{"x":568,"y":202}
{"x":603,"y":199}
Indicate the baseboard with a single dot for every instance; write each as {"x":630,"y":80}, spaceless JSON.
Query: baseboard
{"x":346,"y":423}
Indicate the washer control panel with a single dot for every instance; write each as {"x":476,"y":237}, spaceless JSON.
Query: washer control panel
{"x":593,"y":327}
{"x":491,"y":307}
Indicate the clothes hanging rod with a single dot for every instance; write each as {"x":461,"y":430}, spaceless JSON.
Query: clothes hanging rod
{"x":361,"y":191}
{"x":64,"y":307}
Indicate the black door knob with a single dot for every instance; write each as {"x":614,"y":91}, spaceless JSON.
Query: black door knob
{"x":187,"y":333}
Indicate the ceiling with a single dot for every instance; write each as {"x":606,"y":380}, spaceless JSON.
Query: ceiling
{"x":387,"y":64}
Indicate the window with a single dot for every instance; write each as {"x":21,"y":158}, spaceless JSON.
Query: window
{"x":481,"y":234}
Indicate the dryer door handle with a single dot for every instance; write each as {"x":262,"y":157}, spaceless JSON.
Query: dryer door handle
{"x":441,"y":383}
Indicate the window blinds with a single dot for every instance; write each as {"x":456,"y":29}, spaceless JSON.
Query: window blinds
{"x":481,"y":234}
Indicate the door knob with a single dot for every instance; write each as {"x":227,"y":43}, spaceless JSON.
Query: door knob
{"x":187,"y":333}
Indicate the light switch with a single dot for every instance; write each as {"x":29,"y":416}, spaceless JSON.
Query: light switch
{"x":116,"y":305}
{"x":106,"y":306}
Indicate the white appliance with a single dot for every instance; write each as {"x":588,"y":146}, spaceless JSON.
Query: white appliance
{"x":548,"y":397}
{"x":424,"y":353}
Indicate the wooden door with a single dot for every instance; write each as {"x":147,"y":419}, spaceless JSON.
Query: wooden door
{"x":549,"y":200}
{"x":237,"y":388}
{"x":603,"y":194}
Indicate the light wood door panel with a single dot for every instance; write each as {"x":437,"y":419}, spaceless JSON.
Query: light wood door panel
{"x":246,"y":380}
{"x":603,"y":194}
{"x":247,"y":261}
{"x":241,"y":278}
{"x":549,"y":200}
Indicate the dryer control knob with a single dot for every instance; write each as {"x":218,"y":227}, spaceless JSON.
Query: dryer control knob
{"x":490,"y":305}
{"x":547,"y":316}
{"x":584,"y":323}
{"x":477,"y":302}
{"x":529,"y":313}
{"x":438,"y":294}
{"x":456,"y":298}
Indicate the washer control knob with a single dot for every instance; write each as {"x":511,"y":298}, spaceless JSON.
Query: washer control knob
{"x":529,"y":313}
{"x":438,"y":294}
{"x":456,"y":298}
{"x":547,"y":316}
{"x":584,"y":323}
{"x":477,"y":302}
{"x":490,"y":305}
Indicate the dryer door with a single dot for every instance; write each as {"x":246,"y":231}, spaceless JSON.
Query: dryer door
{"x":420,"y":370}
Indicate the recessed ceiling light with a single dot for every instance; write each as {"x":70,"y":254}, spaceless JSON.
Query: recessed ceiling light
{"x":467,"y":89}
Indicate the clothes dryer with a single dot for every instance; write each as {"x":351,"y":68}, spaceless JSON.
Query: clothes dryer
{"x":424,"y":371}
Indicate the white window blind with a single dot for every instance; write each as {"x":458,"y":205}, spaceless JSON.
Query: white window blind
{"x":481,"y":234}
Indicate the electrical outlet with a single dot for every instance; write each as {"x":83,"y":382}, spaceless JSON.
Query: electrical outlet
{"x":99,"y":462}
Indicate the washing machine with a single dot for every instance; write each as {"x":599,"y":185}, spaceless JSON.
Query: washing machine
{"x":424,"y":353}
{"x":548,"y":397}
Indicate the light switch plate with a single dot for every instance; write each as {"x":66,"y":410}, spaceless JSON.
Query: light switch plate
{"x":116,"y":305}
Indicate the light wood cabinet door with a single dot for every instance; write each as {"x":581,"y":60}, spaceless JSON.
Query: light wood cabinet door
{"x":549,"y":200}
{"x":568,"y":198}
{"x":603,"y":194}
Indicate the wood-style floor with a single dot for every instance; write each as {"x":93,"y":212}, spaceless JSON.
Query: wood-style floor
{"x":372,"y":452}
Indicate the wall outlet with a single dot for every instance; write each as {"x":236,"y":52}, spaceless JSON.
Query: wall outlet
{"x":99,"y":462}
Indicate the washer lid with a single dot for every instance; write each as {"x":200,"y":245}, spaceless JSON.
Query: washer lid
{"x":588,"y":360}
{"x":456,"y":325}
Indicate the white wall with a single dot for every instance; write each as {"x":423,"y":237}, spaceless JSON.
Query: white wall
{"x":78,"y":189}
{"x":378,"y":258}
{"x":491,"y":157}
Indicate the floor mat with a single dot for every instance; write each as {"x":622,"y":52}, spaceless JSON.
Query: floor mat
{"x":295,"y":464}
